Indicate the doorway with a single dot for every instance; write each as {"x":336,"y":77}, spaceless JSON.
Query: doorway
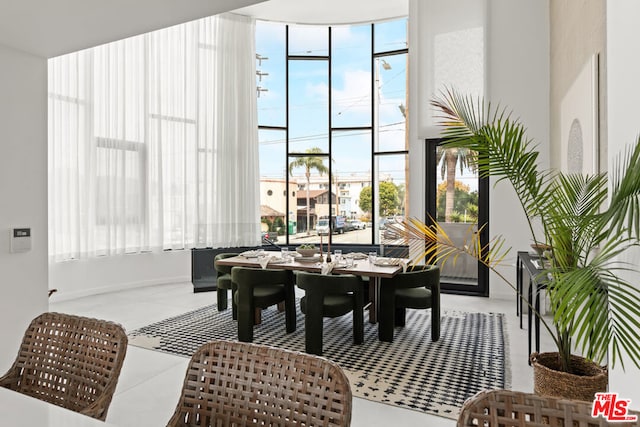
{"x":458,"y":199}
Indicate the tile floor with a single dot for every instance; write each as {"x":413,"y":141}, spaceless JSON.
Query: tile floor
{"x":150,"y":381}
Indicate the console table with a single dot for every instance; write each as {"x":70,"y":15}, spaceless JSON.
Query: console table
{"x":537,"y":282}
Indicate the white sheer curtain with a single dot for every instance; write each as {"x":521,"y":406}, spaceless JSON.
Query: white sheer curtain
{"x":153,"y":142}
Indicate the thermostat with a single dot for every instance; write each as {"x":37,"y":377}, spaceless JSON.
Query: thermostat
{"x":20,"y":240}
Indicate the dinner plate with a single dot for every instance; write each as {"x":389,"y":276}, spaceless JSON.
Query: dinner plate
{"x":389,"y":262}
{"x":357,"y":255}
{"x":278,"y":261}
{"x":251,"y":254}
{"x":308,"y":259}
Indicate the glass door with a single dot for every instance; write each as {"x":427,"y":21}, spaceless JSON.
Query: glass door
{"x":457,"y":198}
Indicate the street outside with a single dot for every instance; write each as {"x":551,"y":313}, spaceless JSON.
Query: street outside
{"x":362,"y":237}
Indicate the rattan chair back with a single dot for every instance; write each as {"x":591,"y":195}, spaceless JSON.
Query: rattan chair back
{"x":493,"y":408}
{"x":70,"y":361}
{"x":239,"y":384}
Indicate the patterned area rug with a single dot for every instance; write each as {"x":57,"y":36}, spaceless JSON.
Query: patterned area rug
{"x":412,"y":372}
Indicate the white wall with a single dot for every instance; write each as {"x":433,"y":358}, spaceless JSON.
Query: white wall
{"x":84,"y":277}
{"x":623,"y":69}
{"x":23,"y":194}
{"x":517,"y":76}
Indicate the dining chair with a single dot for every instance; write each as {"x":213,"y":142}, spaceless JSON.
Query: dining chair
{"x":330,"y":296}
{"x":417,"y":288}
{"x":494,"y":408}
{"x":223,"y":283}
{"x":262,"y":288}
{"x":238,"y":384}
{"x":69,"y":361}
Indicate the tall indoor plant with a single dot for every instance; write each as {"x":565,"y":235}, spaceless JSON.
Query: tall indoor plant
{"x":593,"y":307}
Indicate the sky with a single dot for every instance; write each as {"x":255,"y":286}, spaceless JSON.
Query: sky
{"x":351,"y":95}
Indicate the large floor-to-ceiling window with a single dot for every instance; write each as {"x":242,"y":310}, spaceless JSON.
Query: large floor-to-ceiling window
{"x":332,"y":115}
{"x":151,"y":141}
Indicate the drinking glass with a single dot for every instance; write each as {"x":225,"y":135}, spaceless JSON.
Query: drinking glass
{"x":284,"y":253}
{"x":372,"y":257}
{"x":337,"y":254}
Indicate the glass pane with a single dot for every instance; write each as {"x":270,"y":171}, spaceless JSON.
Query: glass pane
{"x":392,"y":195}
{"x":457,"y":209}
{"x":120,"y":202}
{"x":116,"y":91}
{"x":272,"y":153}
{"x":310,"y":174}
{"x":351,"y":170}
{"x":308,"y":40}
{"x":270,"y":73}
{"x":273,"y":186}
{"x":351,"y":76}
{"x":390,"y":35}
{"x":308,"y":105}
{"x":390,"y":102}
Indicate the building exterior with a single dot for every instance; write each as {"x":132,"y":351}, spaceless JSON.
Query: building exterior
{"x":346,"y":189}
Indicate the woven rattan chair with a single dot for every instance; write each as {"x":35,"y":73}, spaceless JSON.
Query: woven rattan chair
{"x":70,"y":361}
{"x":239,"y":384}
{"x":493,"y":408}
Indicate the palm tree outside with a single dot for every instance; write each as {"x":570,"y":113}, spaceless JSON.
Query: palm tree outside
{"x":309,"y":163}
{"x":449,"y":158}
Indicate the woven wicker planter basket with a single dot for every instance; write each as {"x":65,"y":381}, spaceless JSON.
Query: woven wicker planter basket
{"x":587,"y":378}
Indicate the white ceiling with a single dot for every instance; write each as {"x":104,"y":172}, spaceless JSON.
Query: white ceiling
{"x":50,"y":28}
{"x":327,"y":11}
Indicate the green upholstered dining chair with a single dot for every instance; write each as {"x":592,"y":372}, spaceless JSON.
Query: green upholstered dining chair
{"x":223,"y":282}
{"x":330,"y":296}
{"x":417,"y":288}
{"x":262,"y":288}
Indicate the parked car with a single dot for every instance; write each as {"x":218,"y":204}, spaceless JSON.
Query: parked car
{"x":337,"y":225}
{"x":358,"y":225}
{"x":348,"y":226}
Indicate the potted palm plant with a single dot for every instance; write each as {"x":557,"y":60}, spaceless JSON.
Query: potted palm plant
{"x":586,"y":224}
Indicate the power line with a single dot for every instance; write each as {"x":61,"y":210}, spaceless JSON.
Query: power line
{"x":322,"y":136}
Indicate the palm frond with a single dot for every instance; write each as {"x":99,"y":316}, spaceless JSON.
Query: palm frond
{"x":590,"y":300}
{"x":624,"y":208}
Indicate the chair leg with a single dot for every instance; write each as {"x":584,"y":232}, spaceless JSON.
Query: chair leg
{"x":281,"y":306}
{"x":435,"y":321}
{"x":234,"y":306}
{"x":290,"y":314}
{"x":246,"y":314}
{"x":386,"y":320}
{"x":257,"y":319}
{"x":313,"y":323}
{"x":400,"y":316}
{"x":358,"y":326}
{"x":222,"y":299}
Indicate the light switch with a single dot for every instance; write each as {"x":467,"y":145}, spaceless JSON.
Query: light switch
{"x":20,"y":240}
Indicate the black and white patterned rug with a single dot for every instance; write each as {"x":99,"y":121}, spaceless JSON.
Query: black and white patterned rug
{"x":412,"y":372}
